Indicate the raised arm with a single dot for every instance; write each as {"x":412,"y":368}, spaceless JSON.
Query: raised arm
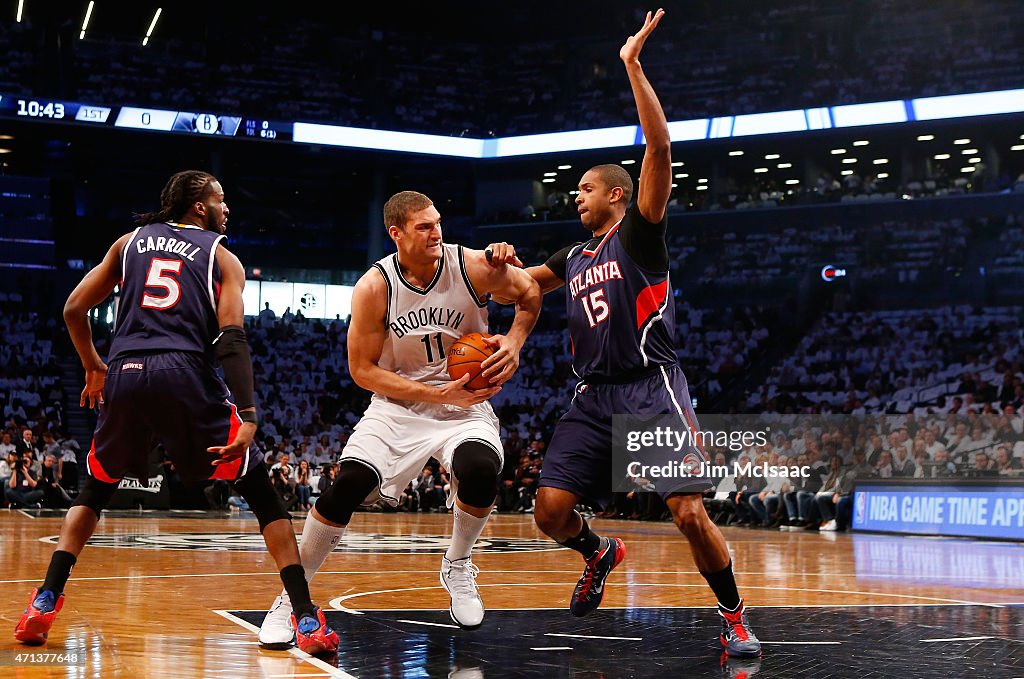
{"x":92,"y":290}
{"x":656,"y":171}
{"x":366,"y":335}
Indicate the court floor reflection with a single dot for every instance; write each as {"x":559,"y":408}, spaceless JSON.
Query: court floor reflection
{"x":656,"y":643}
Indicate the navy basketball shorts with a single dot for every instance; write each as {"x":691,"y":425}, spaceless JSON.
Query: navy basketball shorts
{"x":175,"y":399}
{"x":579,"y":457}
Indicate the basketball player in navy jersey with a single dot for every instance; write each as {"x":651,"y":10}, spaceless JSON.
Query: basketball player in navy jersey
{"x":622,"y":325}
{"x":180,"y":309}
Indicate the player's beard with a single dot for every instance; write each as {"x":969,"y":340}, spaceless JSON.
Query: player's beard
{"x":213,"y":225}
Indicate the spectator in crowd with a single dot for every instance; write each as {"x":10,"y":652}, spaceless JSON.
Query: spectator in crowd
{"x":281,"y":479}
{"x":303,"y":488}
{"x":22,"y":488}
{"x":54,"y":495}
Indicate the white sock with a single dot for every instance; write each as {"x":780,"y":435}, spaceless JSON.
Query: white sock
{"x":466,"y":528}
{"x":318,"y":540}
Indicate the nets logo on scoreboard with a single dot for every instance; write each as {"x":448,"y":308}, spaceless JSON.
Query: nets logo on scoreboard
{"x":351,"y":542}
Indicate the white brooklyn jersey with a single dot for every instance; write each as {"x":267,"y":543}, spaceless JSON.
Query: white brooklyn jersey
{"x":423,"y":323}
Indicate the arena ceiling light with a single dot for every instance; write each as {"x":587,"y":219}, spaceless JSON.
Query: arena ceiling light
{"x":152,"y":25}
{"x":969,"y":152}
{"x":85,"y":22}
{"x":702,"y":187}
{"x":1018,"y":147}
{"x":961,"y":142}
{"x":974,"y":160}
{"x":776,"y":156}
{"x":862,"y":142}
{"x":846,"y":173}
{"x":678,"y":163}
{"x":849,"y":161}
{"x":785,"y":166}
{"x":760,"y":170}
{"x":675,"y":186}
{"x":925,"y":137}
{"x":883,"y":175}
{"x":547,"y":181}
{"x":565,"y":167}
{"x":880,"y":161}
{"x":942,"y":156}
{"x":791,"y":182}
{"x":702,"y":181}
{"x":838,"y":152}
{"x":969,"y":168}
{"x":682,"y":175}
{"x":550,"y":174}
{"x":21,"y":6}
{"x":5,"y":151}
{"x":5,"y":137}
{"x":629,"y":162}
{"x":735,"y":153}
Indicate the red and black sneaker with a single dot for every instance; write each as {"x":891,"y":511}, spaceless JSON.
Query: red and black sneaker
{"x":590,"y":589}
{"x":36,"y":621}
{"x":737,"y":637}
{"x":312,"y":634}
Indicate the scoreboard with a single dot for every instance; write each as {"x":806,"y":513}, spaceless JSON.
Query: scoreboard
{"x":157,"y":120}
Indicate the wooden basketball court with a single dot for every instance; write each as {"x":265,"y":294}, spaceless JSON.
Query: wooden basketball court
{"x":180,"y":594}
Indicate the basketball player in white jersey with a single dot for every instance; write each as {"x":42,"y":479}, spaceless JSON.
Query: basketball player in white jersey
{"x":407,"y":310}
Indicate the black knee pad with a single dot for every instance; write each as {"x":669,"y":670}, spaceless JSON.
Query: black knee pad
{"x":355,"y":481}
{"x":95,"y":495}
{"x":476,"y":465}
{"x":256,"y":489}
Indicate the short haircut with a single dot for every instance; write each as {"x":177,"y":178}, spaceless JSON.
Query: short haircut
{"x":401,"y":205}
{"x":616,"y":175}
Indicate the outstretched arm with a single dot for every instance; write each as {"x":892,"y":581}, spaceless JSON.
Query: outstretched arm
{"x":656,"y":171}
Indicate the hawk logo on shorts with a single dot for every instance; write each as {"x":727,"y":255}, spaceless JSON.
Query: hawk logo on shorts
{"x":131,"y":366}
{"x":692,"y":464}
{"x":361,"y":543}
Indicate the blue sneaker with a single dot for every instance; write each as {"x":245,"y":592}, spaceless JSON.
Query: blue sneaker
{"x":312,"y":634}
{"x":737,"y":637}
{"x":590,"y":589}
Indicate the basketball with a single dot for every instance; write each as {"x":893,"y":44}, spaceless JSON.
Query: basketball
{"x":465,"y":357}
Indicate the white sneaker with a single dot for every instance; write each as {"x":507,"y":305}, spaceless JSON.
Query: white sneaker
{"x":830,"y":526}
{"x":276,"y":632}
{"x":459,"y":580}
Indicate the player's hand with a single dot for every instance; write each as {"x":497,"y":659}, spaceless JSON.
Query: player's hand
{"x":630,"y":52}
{"x":455,"y":393}
{"x":237,"y":448}
{"x":503,"y":363}
{"x":498,"y":254}
{"x":95,"y":378}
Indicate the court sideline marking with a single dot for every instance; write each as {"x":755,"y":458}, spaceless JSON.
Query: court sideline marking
{"x":302,"y":655}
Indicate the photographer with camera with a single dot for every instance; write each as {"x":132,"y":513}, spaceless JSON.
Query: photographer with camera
{"x":22,"y":488}
{"x":281,"y":479}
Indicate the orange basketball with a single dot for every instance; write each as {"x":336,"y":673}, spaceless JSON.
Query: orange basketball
{"x":465,"y":357}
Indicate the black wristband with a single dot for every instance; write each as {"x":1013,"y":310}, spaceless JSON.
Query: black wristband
{"x":249,"y":416}
{"x":233,"y":354}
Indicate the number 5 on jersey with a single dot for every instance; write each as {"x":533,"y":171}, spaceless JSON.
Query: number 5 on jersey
{"x":158,"y":278}
{"x":596,"y":307}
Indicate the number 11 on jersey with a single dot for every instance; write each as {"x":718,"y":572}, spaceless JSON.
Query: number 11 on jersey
{"x":440,"y":347}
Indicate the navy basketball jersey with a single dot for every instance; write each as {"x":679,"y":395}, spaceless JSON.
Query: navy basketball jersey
{"x":169,"y":289}
{"x":621,"y":316}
